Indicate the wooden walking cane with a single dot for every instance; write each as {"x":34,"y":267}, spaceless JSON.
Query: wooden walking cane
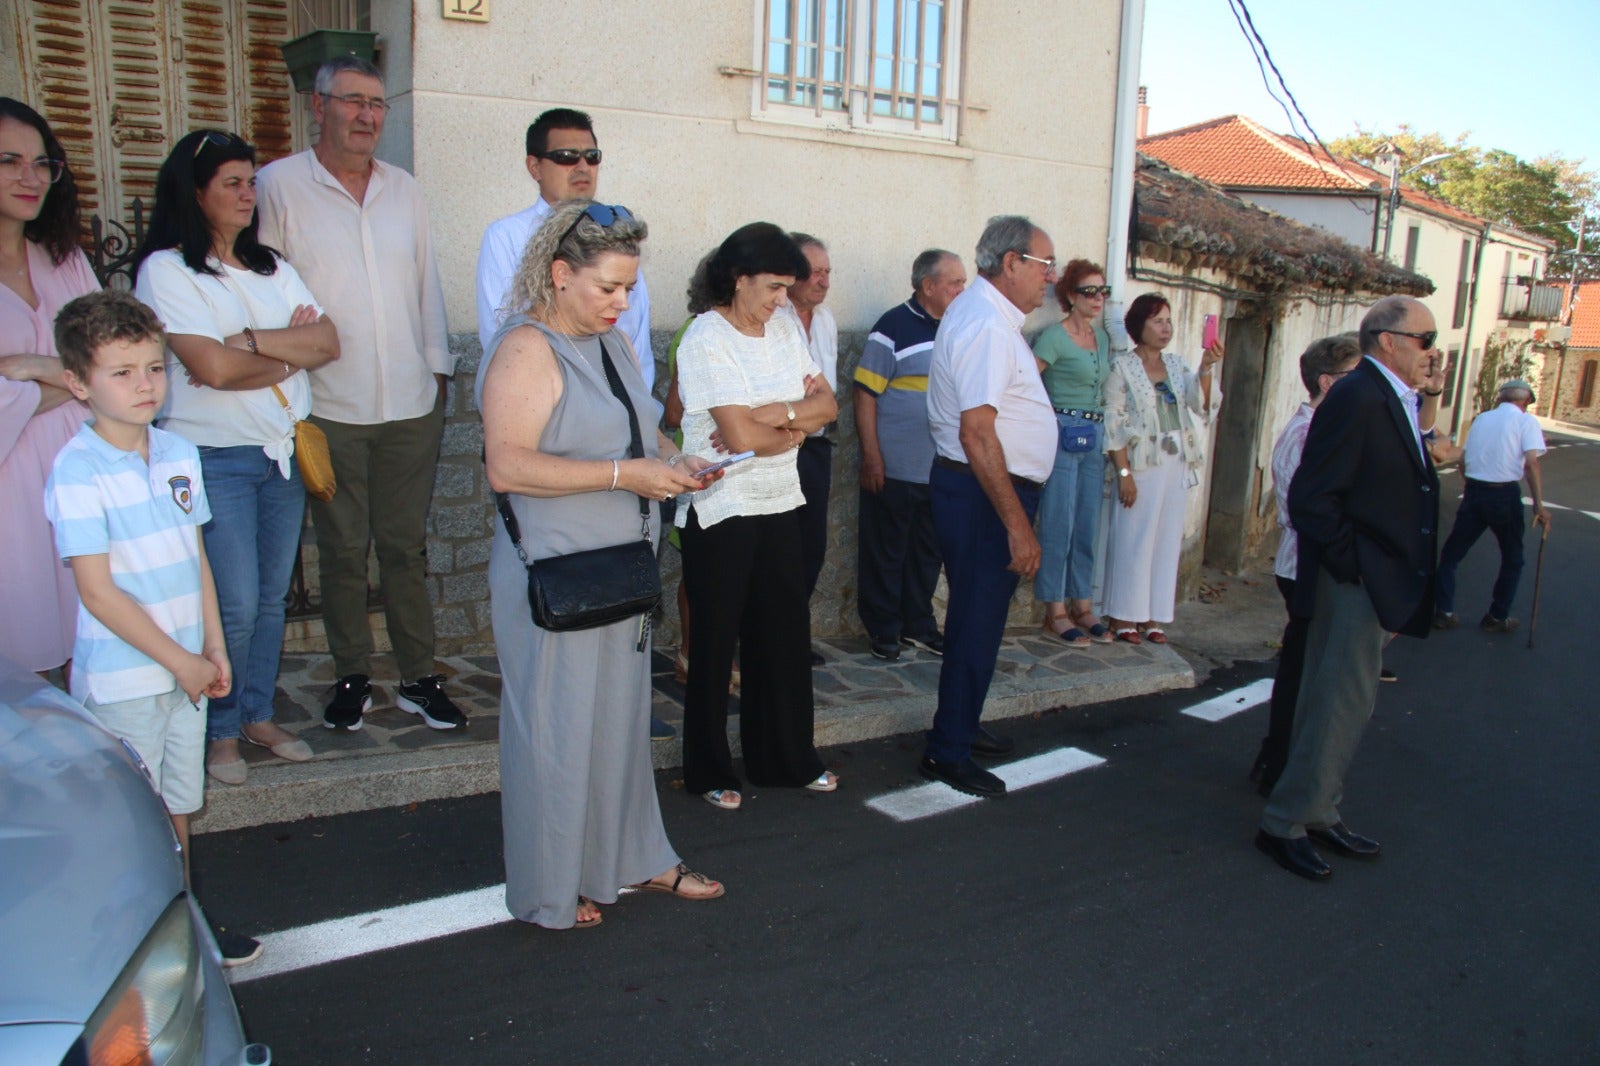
{"x":1538,"y":570}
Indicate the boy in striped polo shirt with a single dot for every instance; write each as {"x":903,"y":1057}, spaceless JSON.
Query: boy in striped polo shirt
{"x":127,"y":504}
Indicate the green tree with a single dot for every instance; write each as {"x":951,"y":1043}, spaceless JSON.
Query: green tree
{"x":1543,"y":196}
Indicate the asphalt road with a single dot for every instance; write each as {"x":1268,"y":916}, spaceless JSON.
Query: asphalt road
{"x":1115,"y":915}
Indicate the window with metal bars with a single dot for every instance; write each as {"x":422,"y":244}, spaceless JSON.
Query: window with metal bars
{"x":886,"y":65}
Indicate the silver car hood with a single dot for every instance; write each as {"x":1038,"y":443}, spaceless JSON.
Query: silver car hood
{"x":88,"y":860}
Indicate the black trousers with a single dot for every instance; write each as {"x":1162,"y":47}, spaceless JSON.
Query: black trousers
{"x":745,"y":587}
{"x":815,"y":465}
{"x":898,"y":563}
{"x":1285,"y":689}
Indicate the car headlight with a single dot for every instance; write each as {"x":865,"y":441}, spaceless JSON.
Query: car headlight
{"x":153,"y":1014}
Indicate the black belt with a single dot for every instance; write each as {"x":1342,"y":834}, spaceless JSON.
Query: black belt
{"x":1092,"y":416}
{"x":963,"y":468}
{"x":1493,"y":484}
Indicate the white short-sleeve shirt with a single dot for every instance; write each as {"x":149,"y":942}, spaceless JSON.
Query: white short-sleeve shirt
{"x":980,"y":358}
{"x":720,"y":367}
{"x":1499,"y":441}
{"x":205,"y":305}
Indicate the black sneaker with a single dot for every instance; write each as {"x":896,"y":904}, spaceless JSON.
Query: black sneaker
{"x":888,"y":650}
{"x":933,"y":643}
{"x":237,"y":950}
{"x":352,"y":697}
{"x":426,"y":698}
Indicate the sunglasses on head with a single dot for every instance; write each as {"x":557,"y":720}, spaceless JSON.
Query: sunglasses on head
{"x":1424,"y":339}
{"x":568,"y":157}
{"x":1093,"y":290}
{"x":602,"y":215}
{"x":221,"y":140}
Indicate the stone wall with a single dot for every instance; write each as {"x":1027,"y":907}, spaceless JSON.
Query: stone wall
{"x":1557,"y":387}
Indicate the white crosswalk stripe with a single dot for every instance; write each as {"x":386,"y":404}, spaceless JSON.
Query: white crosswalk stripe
{"x":922,"y":801}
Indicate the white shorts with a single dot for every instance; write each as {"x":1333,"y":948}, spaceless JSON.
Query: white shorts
{"x":169,"y":733}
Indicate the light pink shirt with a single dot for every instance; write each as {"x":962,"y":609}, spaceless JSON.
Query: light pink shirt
{"x":372,"y":269}
{"x":41,"y":602}
{"x":1285,"y":461}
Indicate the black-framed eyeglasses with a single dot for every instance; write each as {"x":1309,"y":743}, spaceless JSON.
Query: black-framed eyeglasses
{"x":569,"y":157}
{"x":1092,"y":290}
{"x":47,"y":170}
{"x":1424,"y":339}
{"x":358,"y":103}
{"x":221,"y":140}
{"x":602,"y":215}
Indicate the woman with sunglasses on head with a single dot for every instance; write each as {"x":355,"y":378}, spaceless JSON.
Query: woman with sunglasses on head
{"x":1157,"y":410}
{"x":41,"y":268}
{"x":748,"y":384}
{"x":563,"y":403}
{"x":1074,"y":357}
{"x":242,"y":330}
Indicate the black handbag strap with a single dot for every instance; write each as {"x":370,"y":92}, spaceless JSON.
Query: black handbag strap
{"x":635,"y":450}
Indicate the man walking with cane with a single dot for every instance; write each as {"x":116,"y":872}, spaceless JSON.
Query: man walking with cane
{"x":1503,"y":445}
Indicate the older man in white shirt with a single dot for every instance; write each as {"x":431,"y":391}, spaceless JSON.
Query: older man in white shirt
{"x":1503,"y":445}
{"x":357,"y":231}
{"x":564,"y":160}
{"x":994,"y":433}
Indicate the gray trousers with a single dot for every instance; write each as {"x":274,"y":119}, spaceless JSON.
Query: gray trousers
{"x":1344,"y":652}
{"x":385,"y":475}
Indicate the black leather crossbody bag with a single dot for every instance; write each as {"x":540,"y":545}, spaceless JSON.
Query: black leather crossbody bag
{"x":589,"y":589}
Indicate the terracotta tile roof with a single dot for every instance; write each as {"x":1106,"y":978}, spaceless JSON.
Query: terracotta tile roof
{"x":1586,"y":317}
{"x":1239,"y":153}
{"x":1189,"y":223}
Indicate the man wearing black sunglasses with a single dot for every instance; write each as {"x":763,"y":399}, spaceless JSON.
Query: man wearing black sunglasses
{"x":1365,"y":505}
{"x":564,"y":159}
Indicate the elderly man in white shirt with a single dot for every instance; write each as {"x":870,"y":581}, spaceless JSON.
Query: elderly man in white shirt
{"x":356,"y":230}
{"x":1503,"y":445}
{"x":564,"y":159}
{"x":994,"y":433}
{"x":815,"y":461}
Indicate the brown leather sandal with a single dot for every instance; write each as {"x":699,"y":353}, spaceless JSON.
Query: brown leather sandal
{"x":675,"y":889}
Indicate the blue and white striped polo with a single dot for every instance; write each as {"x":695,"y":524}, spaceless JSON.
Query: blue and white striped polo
{"x":144,"y":516}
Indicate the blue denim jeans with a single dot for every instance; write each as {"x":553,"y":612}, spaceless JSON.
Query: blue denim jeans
{"x":1069,"y":517}
{"x":256,"y":516}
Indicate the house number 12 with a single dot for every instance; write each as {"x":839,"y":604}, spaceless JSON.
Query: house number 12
{"x":467,"y":10}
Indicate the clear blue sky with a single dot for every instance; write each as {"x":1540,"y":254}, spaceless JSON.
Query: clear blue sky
{"x":1513,"y":75}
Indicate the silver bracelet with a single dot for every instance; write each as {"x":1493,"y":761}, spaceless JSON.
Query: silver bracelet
{"x":616,"y":468}
{"x":674,"y":460}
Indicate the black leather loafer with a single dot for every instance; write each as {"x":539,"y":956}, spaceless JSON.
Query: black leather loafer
{"x":965,"y":776}
{"x":1294,"y":854}
{"x":887,"y":650}
{"x":986,"y":743}
{"x":1338,"y":837}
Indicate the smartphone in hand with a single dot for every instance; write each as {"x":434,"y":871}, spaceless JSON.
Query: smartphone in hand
{"x":724,"y":464}
{"x":1208,"y":332}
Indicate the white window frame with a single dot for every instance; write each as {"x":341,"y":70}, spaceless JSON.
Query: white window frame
{"x":860,"y":53}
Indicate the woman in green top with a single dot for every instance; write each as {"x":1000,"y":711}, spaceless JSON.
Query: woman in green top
{"x":1074,"y":357}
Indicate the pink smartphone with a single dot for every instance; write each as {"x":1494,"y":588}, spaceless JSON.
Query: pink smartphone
{"x":1208,"y":332}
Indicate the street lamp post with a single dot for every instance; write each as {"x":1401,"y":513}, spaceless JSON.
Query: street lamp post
{"x":1390,"y":157}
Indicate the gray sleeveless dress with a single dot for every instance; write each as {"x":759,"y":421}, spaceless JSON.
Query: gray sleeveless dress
{"x":577,"y":795}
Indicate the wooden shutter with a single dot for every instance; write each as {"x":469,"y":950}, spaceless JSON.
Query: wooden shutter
{"x":55,"y":47}
{"x":267,"y":120}
{"x":134,"y":98}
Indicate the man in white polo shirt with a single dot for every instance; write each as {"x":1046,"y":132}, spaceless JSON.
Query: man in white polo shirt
{"x":994,"y":434}
{"x":1502,"y":446}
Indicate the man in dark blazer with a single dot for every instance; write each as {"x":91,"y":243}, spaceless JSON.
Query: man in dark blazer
{"x":1365,"y":503}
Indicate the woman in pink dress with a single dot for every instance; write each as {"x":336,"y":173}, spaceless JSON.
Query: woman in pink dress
{"x":41,"y":268}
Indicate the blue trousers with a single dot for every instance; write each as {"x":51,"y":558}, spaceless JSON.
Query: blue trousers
{"x":1497,"y":508}
{"x":256,"y":516}
{"x":976,"y":553}
{"x":1069,"y":517}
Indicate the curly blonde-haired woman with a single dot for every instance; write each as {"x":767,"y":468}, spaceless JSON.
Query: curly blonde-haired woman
{"x":562,"y":399}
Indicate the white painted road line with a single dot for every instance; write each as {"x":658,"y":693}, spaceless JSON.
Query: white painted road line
{"x":362,"y":934}
{"x":1230,"y":703}
{"x":922,"y":801}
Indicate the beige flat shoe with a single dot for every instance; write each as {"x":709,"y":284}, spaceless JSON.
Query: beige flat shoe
{"x":229,"y":773}
{"x":292,"y":750}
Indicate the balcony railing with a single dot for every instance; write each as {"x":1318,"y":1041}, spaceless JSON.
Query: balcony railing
{"x":1529,"y":300}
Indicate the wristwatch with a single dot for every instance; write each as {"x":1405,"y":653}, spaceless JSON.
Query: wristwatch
{"x":1124,"y":472}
